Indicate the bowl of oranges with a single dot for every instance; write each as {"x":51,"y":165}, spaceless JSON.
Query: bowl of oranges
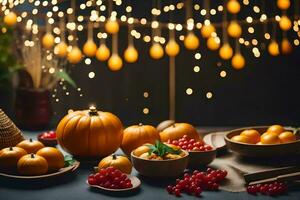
{"x":264,"y":141}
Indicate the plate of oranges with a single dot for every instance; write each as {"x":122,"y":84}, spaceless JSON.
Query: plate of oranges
{"x":264,"y":141}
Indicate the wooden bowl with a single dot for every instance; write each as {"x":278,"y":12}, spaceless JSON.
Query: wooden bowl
{"x":254,"y":150}
{"x":48,"y":142}
{"x":199,"y":159}
{"x":160,"y":168}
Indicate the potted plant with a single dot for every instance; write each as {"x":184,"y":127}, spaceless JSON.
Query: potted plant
{"x":41,"y":72}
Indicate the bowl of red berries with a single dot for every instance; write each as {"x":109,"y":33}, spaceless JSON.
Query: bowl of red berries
{"x":200,"y":154}
{"x":48,"y":138}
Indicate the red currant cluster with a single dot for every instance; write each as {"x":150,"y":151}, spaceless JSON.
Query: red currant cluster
{"x":275,"y":188}
{"x":197,"y":181}
{"x":110,"y":178}
{"x":49,"y":135}
{"x":190,"y":144}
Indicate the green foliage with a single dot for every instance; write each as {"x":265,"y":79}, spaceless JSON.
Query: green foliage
{"x":64,"y":75}
{"x":161,"y":149}
{"x":8,"y":64}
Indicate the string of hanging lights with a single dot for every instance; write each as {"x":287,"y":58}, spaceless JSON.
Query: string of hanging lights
{"x":67,"y":46}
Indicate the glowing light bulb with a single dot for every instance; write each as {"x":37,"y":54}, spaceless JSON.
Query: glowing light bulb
{"x":238,"y":61}
{"x":207,"y":30}
{"x":233,"y":6}
{"x":48,"y":41}
{"x":285,"y":23}
{"x":226,"y":51}
{"x":89,"y":48}
{"x":10,"y":19}
{"x":172,"y":48}
{"x":75,"y":55}
{"x":115,"y":62}
{"x":213,"y":43}
{"x":234,"y":29}
{"x":102,"y":53}
{"x":191,"y":41}
{"x":131,"y":54}
{"x":283,"y":4}
{"x":273,"y":48}
{"x":112,"y":26}
{"x":286,"y":46}
{"x":156,"y":51}
{"x":61,"y":49}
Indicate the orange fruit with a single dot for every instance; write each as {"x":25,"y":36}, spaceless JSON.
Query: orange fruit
{"x":277,"y":129}
{"x":287,"y":136}
{"x":241,"y":138}
{"x":269,"y":138}
{"x":253,"y":135}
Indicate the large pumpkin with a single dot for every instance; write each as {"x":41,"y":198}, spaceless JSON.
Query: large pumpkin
{"x":177,"y":131}
{"x":32,"y":165}
{"x":137,"y":135}
{"x":90,"y":133}
{"x":9,"y":158}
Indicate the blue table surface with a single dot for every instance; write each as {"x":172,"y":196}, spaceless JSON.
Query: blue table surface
{"x":74,"y":187}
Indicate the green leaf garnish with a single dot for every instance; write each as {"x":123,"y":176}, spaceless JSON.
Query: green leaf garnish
{"x":69,"y":160}
{"x":162,"y":149}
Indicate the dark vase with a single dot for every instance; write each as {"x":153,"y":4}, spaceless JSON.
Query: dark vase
{"x":33,"y":108}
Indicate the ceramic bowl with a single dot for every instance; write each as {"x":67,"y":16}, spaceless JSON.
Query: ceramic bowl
{"x":254,"y":150}
{"x":48,"y":142}
{"x":160,"y":168}
{"x":199,"y":159}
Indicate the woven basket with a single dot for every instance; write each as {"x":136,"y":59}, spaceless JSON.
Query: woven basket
{"x":10,"y":135}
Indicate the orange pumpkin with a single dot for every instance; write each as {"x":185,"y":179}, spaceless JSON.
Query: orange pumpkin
{"x":30,"y":146}
{"x":90,"y":133}
{"x":54,"y":157}
{"x":177,"y":131}
{"x":164,"y":124}
{"x":119,"y":162}
{"x":137,"y":135}
{"x":9,"y":158}
{"x":32,"y":165}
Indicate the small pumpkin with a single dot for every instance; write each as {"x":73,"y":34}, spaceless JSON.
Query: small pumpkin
{"x":9,"y":158}
{"x":54,"y":157}
{"x":90,"y":133}
{"x":137,"y":135}
{"x":119,"y":162}
{"x":164,"y":124}
{"x":177,"y":131}
{"x":32,"y":165}
{"x":30,"y":146}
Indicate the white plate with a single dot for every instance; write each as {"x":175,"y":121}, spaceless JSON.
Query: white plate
{"x":134,"y":181}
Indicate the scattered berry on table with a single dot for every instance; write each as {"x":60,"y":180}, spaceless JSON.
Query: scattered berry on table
{"x":194,"y":183}
{"x":272,"y":189}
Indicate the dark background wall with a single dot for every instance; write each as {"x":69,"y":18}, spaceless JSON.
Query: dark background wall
{"x":265,"y":92}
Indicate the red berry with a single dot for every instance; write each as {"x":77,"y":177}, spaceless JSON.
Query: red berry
{"x":92,"y":181}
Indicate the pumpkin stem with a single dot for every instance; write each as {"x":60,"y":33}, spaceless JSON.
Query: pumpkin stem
{"x":140,"y":124}
{"x":30,"y":140}
{"x":10,"y":148}
{"x":32,"y":155}
{"x":93,"y":111}
{"x":114,"y":157}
